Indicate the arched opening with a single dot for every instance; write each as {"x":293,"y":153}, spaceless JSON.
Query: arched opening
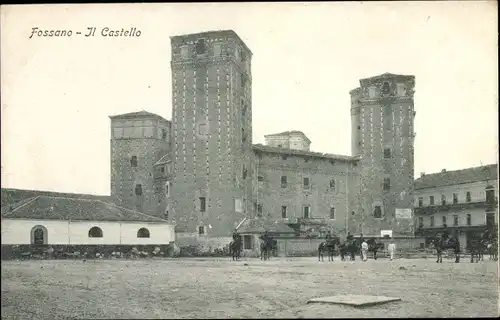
{"x":143,"y":233}
{"x":39,"y":235}
{"x":95,"y":232}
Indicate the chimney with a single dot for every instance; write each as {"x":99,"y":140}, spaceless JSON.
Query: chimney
{"x":422,"y":174}
{"x":443,"y":171}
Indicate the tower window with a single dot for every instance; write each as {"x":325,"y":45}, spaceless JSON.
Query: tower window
{"x":332,"y":213}
{"x":377,"y":212}
{"x":259,"y":210}
{"x":387,"y":153}
{"x":386,"y":88}
{"x":283,"y":212}
{"x":200,"y":46}
{"x":138,"y":189}
{"x":202,"y":204}
{"x":307,"y":212}
{"x":387,"y":183}
{"x":283,"y":182}
{"x":244,"y":172}
{"x":306,"y":183}
{"x":332,"y":184}
{"x":133,"y":161}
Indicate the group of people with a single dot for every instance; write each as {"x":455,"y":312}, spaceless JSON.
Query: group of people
{"x":391,"y":248}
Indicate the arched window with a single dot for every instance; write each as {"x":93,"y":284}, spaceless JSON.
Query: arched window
{"x":39,"y":235}
{"x":95,"y":232}
{"x":143,"y":233}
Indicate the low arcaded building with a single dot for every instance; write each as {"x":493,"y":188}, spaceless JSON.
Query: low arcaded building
{"x":49,"y":220}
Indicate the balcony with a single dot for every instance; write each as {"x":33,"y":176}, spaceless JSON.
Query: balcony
{"x":488,"y":206}
{"x":426,"y":231}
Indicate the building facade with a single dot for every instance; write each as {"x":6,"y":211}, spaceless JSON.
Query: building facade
{"x":464,"y":202}
{"x":209,"y":176}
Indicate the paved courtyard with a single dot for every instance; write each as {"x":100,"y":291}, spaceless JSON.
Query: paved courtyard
{"x":218,"y":288}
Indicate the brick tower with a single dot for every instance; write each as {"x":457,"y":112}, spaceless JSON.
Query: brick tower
{"x":382,"y":116}
{"x":212,"y":131}
{"x":138,"y":140}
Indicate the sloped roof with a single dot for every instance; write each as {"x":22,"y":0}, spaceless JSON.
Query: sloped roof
{"x":163,"y":159}
{"x":137,"y":114}
{"x":259,"y":225}
{"x":263,"y":148}
{"x":61,"y":208}
{"x":288,"y":133}
{"x":10,"y":196}
{"x":449,"y":178}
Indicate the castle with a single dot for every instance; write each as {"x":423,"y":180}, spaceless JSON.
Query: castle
{"x":202,"y":171}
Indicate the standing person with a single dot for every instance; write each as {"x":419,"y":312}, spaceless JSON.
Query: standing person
{"x":392,"y":249}
{"x":364,"y":251}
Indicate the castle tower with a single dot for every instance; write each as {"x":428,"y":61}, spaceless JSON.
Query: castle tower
{"x":138,"y":140}
{"x":212,"y":132}
{"x":382,"y":116}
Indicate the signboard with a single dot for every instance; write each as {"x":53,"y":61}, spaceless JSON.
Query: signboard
{"x":386,"y":233}
{"x":404,"y":214}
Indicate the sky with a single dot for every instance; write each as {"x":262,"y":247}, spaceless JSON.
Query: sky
{"x":58,"y":93}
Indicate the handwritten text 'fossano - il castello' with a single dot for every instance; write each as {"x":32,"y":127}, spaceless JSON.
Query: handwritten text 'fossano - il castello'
{"x":106,"y":32}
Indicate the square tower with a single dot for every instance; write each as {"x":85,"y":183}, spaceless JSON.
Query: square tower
{"x":138,"y":140}
{"x":212,"y":132}
{"x":382,"y":116}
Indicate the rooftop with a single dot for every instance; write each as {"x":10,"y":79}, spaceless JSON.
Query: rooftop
{"x":138,"y":114}
{"x":263,"y":148}
{"x":11,"y":196}
{"x":288,"y":133}
{"x":450,"y":178}
{"x":259,"y":225}
{"x":211,"y":33}
{"x":62,"y":208}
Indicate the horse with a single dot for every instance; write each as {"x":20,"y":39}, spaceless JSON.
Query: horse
{"x":349,"y":248}
{"x":441,"y":244}
{"x":235,"y":248}
{"x":374,"y":247}
{"x":493,"y":249}
{"x":476,"y":248}
{"x":267,"y":246}
{"x":328,"y":245}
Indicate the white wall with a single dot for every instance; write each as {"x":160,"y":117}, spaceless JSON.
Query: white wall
{"x":18,"y":231}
